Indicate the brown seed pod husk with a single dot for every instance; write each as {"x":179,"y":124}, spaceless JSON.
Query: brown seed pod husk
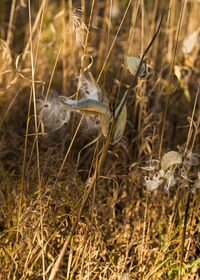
{"x":170,"y":159}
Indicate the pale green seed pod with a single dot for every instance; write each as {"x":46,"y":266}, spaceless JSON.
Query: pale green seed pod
{"x":88,"y":106}
{"x":120,"y":125}
{"x":105,"y":122}
{"x":121,"y":122}
{"x":132,"y":64}
{"x":91,"y":106}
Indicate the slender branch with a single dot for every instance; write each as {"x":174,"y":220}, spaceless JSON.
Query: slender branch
{"x":134,"y":82}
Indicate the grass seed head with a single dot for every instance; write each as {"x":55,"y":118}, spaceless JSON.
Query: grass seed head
{"x":79,"y":28}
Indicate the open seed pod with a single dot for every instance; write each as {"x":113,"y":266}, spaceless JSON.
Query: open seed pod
{"x":91,"y":89}
{"x":95,"y":107}
{"x":170,"y":159}
{"x":88,"y":106}
{"x":132,"y":64}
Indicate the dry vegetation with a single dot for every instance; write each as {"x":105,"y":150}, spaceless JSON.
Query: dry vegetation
{"x":97,"y":200}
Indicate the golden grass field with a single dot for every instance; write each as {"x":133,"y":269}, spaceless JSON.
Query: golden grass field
{"x":86,"y":192}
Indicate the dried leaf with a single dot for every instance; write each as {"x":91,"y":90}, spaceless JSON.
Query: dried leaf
{"x":191,"y":42}
{"x":132,"y":63}
{"x":182,"y":82}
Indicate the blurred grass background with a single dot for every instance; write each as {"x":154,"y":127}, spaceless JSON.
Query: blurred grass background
{"x":124,"y":232}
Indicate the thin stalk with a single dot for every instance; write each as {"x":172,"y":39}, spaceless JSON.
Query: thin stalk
{"x":142,"y":27}
{"x":144,"y":228}
{"x":69,"y":149}
{"x":191,"y":123}
{"x":117,"y":33}
{"x":184,"y":233}
{"x":33,"y":88}
{"x":36,"y":127}
{"x":12,"y":11}
{"x":83,"y":10}
{"x":103,"y":37}
{"x":46,"y":96}
{"x":171,"y":73}
{"x":134,"y":82}
{"x":133,"y":21}
{"x":64,"y":50}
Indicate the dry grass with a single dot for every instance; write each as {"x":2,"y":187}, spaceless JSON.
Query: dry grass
{"x":74,"y":206}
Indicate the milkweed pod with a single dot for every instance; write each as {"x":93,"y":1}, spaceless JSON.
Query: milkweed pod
{"x":91,"y":89}
{"x":170,"y":159}
{"x":121,"y":122}
{"x":120,"y":125}
{"x":87,"y":106}
{"x":105,"y":122}
{"x":132,"y":64}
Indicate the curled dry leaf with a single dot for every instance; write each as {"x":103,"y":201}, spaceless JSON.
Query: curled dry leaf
{"x":133,"y":63}
{"x":183,"y":80}
{"x":190,"y":49}
{"x":170,"y":159}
